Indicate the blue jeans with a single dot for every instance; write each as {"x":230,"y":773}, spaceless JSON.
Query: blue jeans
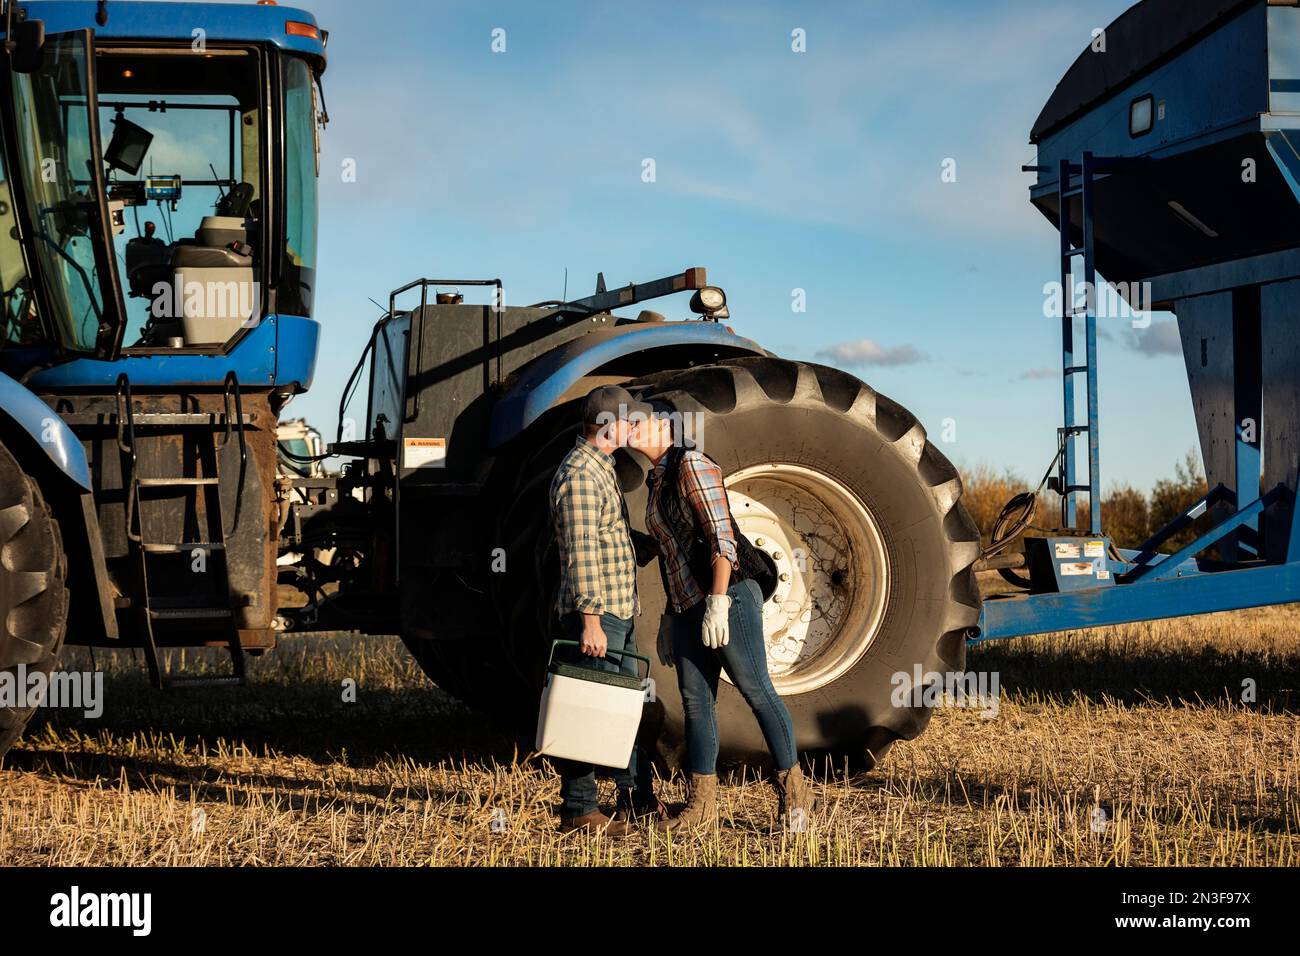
{"x":578,"y":780}
{"x":745,"y":661}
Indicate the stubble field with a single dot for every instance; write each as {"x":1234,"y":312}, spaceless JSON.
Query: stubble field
{"x":1131,"y":745}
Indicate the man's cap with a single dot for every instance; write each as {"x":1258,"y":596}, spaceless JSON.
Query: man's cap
{"x":609,"y":403}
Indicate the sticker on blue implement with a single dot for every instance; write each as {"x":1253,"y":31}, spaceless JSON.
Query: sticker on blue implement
{"x":1069,"y":563}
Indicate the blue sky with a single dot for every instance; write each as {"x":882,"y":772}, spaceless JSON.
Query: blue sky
{"x":776,"y":170}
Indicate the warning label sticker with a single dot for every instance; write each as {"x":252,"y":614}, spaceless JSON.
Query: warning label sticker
{"x":1094,"y":549}
{"x":425,"y":453}
{"x":1078,"y":568}
{"x":1067,"y":549}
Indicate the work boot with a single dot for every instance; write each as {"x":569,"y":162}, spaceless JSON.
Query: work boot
{"x":701,"y":804}
{"x":594,"y":822}
{"x":794,"y":798}
{"x":632,"y":810}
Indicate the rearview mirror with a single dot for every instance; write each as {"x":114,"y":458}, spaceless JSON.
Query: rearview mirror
{"x":26,"y":44}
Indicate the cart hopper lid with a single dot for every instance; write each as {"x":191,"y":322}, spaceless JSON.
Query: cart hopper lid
{"x":1141,"y":38}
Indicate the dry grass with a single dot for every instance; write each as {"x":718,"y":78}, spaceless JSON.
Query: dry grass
{"x":1143,"y":721}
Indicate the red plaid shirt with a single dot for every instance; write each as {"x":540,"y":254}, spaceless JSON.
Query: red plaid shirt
{"x":701,"y":486}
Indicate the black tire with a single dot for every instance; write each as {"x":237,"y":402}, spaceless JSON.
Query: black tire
{"x":33,"y":592}
{"x":758,"y":411}
{"x":483,"y":668}
{"x":442,"y":666}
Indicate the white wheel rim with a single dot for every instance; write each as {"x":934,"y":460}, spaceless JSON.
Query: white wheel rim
{"x":831,"y":566}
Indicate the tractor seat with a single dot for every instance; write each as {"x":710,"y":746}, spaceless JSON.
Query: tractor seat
{"x":227,"y":297}
{"x":209,"y":257}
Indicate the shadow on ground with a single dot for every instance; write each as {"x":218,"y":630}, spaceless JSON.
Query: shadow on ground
{"x":290,"y":714}
{"x":1180,"y":676}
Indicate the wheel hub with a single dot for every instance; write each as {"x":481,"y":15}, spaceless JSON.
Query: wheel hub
{"x":831,"y":565}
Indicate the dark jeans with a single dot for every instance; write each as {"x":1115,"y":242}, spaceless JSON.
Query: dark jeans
{"x":578,"y":780}
{"x":745,"y":661}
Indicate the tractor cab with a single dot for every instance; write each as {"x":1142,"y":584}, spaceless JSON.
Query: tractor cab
{"x":159,"y":172}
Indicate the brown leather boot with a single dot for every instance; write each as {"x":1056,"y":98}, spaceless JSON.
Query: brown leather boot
{"x":594,"y":822}
{"x":701,"y":808}
{"x":795,"y":799}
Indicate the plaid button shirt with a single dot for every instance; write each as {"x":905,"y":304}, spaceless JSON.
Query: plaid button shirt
{"x":597,"y":561}
{"x":700,"y":481}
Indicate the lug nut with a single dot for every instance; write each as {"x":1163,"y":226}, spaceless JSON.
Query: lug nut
{"x":785,"y":575}
{"x":760,"y":542}
{"x":776,"y":555}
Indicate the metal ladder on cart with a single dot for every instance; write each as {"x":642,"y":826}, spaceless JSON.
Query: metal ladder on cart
{"x":1078,"y":180}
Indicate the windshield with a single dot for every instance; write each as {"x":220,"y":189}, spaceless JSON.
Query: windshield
{"x":58,"y":156}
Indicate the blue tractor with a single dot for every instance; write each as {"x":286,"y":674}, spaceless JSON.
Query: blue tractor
{"x":157,"y":254}
{"x":159,"y":165}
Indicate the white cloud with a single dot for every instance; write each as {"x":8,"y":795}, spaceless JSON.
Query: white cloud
{"x":1158,"y":339}
{"x":867,"y":353}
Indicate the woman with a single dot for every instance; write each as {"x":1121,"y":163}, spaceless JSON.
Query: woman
{"x":714,"y":620}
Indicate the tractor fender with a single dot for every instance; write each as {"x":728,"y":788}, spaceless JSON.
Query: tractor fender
{"x":546,"y":381}
{"x":46,"y":429}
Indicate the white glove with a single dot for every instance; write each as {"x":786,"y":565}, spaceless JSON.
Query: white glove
{"x":717,"y":611}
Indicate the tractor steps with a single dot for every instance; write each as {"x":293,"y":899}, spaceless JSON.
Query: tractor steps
{"x":191,"y":614}
{"x":95,"y":419}
{"x":183,"y":548}
{"x":176,"y":482}
{"x":202,"y":437}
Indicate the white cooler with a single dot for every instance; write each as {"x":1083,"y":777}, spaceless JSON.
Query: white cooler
{"x":589,"y":715}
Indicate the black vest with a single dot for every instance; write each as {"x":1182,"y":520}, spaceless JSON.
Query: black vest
{"x":686,"y":530}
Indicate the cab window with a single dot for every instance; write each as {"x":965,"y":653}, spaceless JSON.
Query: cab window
{"x":300,"y":178}
{"x":183,"y":149}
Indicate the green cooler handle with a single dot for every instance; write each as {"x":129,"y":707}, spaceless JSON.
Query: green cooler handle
{"x":620,"y":654}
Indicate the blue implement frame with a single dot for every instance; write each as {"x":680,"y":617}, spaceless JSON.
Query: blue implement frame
{"x":1150,"y":586}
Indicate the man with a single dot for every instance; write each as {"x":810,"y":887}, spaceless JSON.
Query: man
{"x":597,"y":598}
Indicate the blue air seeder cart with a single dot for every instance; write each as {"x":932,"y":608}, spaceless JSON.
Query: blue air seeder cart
{"x":1169,"y":164}
{"x":159,"y":161}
